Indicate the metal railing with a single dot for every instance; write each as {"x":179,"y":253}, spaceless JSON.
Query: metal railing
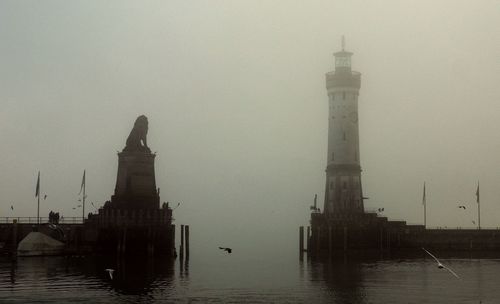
{"x":43,"y":220}
{"x":460,"y":228}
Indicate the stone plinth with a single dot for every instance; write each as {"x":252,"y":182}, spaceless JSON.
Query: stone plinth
{"x":135,"y":182}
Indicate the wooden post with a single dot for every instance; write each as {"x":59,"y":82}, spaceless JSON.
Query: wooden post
{"x":308,"y":240}
{"x":301,"y":239}
{"x":14,"y":239}
{"x":181,"y":247}
{"x":186,"y":231}
{"x":172,"y":241}
{"x":345,"y":238}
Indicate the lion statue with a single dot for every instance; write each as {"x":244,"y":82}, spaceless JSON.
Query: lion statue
{"x":138,"y":134}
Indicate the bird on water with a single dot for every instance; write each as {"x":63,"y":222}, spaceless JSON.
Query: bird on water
{"x":440,"y":265}
{"x":228,"y":250}
{"x":110,"y":272}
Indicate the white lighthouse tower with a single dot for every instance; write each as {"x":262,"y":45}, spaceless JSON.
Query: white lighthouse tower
{"x":343,"y":192}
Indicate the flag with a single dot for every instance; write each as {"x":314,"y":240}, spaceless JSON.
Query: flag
{"x":37,"y":191}
{"x":477,"y":193}
{"x":423,"y":197}
{"x":83,"y":183}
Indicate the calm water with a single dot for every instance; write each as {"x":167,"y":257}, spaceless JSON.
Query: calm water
{"x":215,"y":277}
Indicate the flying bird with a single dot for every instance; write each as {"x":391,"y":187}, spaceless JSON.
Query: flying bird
{"x":12,"y":207}
{"x":440,"y":265}
{"x":380,"y":209}
{"x":110,"y":272}
{"x":473,"y":222}
{"x":461,"y":206}
{"x":45,"y":197}
{"x":178,"y":204}
{"x":79,"y":205}
{"x":228,"y":250}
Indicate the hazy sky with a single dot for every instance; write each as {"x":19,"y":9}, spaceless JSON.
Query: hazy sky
{"x":236,"y":100}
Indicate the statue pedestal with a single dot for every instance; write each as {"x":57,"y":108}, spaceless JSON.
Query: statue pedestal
{"x":135,"y":182}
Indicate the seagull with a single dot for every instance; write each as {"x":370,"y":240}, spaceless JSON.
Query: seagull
{"x":473,"y":222}
{"x":45,"y":197}
{"x":110,"y":272}
{"x":178,"y":204}
{"x":441,"y":266}
{"x":461,"y":206}
{"x":228,"y":250}
{"x":79,"y":205}
{"x":380,"y":209}
{"x":74,"y":208}
{"x":12,"y":207}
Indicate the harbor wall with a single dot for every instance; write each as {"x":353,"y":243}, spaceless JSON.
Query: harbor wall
{"x":370,"y":232}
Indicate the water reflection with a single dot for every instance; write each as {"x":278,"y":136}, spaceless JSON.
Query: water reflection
{"x":343,"y":279}
{"x":132,"y":276}
{"x":135,"y":276}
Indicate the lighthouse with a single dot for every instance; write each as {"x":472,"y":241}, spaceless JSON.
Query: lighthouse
{"x":343,"y":191}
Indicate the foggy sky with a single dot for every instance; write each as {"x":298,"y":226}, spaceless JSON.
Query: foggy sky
{"x":237,"y":106}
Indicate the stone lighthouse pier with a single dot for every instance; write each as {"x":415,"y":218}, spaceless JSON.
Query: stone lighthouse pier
{"x":343,"y":225}
{"x":132,"y":222}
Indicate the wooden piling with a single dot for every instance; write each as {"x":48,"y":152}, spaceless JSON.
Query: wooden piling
{"x":301,"y":239}
{"x":186,"y":240}
{"x":308,"y":239}
{"x":14,"y":240}
{"x":181,"y":247}
{"x":172,"y":241}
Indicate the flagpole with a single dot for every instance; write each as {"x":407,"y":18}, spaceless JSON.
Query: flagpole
{"x":478,"y":208}
{"x":38,"y":210}
{"x":37,"y":193}
{"x":425,"y":215}
{"x":83,"y":205}
{"x":425,"y":208}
